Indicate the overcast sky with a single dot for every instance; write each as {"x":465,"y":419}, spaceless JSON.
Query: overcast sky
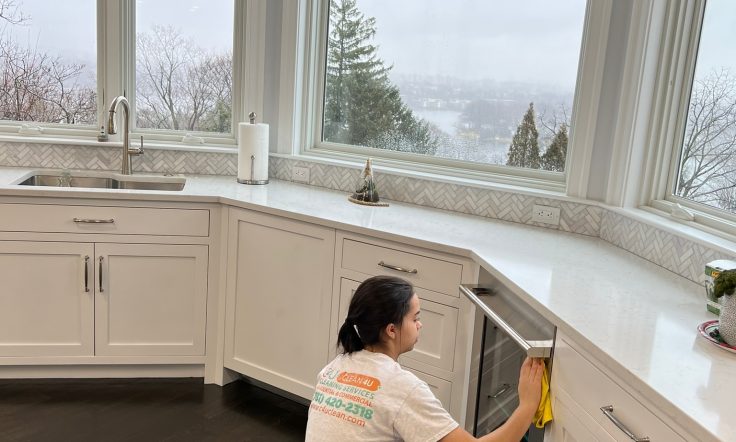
{"x":718,"y":39}
{"x":531,"y":40}
{"x":68,"y":28}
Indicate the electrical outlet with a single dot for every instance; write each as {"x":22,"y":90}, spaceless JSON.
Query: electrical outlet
{"x":300,"y":174}
{"x":546,"y":214}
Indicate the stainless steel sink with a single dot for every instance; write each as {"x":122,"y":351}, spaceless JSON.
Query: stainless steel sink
{"x":102,"y":181}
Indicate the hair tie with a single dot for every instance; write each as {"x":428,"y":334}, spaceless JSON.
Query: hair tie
{"x":355,"y":327}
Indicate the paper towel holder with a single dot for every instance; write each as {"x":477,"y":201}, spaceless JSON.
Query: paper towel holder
{"x":252,"y":118}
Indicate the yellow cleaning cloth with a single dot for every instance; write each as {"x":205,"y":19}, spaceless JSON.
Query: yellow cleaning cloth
{"x":544,"y":412}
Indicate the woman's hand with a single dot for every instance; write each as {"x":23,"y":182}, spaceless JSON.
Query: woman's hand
{"x":530,"y":386}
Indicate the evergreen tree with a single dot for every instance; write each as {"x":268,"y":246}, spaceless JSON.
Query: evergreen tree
{"x":362,"y":106}
{"x":524,"y":149}
{"x":555,"y":155}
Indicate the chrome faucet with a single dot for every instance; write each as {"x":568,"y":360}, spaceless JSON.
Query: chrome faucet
{"x":112,"y":129}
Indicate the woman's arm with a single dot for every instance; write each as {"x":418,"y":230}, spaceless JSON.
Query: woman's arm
{"x":530,"y":393}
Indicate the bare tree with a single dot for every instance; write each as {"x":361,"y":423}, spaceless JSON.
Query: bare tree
{"x":708,"y":157}
{"x":35,"y":86}
{"x":551,"y":121}
{"x":10,"y":12}
{"x":180,"y":86}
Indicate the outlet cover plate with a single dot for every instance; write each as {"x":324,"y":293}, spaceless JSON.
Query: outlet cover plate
{"x":546,"y":214}
{"x":300,"y":174}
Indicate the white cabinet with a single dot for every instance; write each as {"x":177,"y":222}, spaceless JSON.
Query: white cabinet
{"x":279,"y":291}
{"x":441,"y":388}
{"x":572,"y":424}
{"x":44,"y":307}
{"x":436,"y":344}
{"x":440,"y":356}
{"x":102,"y":283}
{"x":151,"y":299}
{"x":581,"y":388}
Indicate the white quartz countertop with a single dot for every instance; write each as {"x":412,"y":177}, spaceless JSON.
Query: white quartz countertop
{"x":638,"y":319}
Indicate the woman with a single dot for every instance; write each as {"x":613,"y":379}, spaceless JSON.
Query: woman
{"x":365,"y":395}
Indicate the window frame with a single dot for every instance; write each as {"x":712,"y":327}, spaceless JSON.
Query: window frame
{"x":11,"y":127}
{"x":116,"y":45}
{"x":309,"y":89}
{"x":677,"y":61}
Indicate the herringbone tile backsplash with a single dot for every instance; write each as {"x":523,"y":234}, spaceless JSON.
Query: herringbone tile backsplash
{"x":679,"y":255}
{"x":108,"y":158}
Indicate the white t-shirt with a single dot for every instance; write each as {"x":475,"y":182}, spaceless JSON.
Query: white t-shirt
{"x":367,"y":396}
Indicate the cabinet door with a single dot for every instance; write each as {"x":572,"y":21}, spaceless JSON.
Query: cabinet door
{"x":572,"y":424}
{"x":441,"y":388}
{"x":436,"y":346}
{"x":279,"y":286}
{"x":44,"y":307}
{"x":151,"y":299}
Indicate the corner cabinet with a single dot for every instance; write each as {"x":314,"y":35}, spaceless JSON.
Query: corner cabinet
{"x":579,"y":390}
{"x":279,"y":291}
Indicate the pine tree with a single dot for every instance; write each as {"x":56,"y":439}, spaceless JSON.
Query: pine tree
{"x":362,"y":106}
{"x":524,"y":149}
{"x":555,"y":155}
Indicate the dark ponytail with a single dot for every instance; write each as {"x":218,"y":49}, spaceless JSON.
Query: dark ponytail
{"x":378,"y":302}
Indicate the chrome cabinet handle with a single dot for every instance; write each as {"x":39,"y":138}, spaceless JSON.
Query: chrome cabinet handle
{"x":94,"y":221}
{"x":504,"y":388}
{"x":86,"y":273}
{"x":397,"y":268}
{"x":101,"y":289}
{"x":608,"y":411}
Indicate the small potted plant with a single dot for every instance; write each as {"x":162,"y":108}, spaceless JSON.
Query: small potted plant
{"x":725,"y":285}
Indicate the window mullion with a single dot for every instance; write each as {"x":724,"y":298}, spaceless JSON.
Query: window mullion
{"x":251,"y":34}
{"x":114,"y":54}
{"x":587,"y":96}
{"x":681,"y":37}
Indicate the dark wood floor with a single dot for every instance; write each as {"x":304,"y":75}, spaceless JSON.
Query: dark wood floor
{"x":145,"y":410}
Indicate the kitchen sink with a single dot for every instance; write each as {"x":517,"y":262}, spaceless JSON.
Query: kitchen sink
{"x":104,"y":181}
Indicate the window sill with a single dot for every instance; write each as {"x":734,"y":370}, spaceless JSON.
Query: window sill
{"x":693,"y":231}
{"x":114,"y":144}
{"x":430,"y":173}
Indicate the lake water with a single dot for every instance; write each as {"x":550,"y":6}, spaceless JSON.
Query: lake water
{"x":459,"y":149}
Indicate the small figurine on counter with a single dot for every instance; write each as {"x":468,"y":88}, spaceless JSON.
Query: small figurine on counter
{"x":366,"y":192}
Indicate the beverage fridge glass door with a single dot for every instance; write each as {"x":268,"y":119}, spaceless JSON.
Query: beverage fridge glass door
{"x":497,"y":395}
{"x":506,"y":331}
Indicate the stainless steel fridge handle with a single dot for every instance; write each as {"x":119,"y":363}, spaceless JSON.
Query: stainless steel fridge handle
{"x":534,"y":349}
{"x":504,"y":388}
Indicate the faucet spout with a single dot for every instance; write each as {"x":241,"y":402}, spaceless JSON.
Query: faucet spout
{"x":112,"y":129}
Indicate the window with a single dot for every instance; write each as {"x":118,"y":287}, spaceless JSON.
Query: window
{"x":706,"y":167}
{"x":476,"y":85}
{"x":177,"y":62}
{"x":48,"y":62}
{"x":184,"y":65}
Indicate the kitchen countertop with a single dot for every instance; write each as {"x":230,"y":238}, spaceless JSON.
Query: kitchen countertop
{"x":638,"y":319}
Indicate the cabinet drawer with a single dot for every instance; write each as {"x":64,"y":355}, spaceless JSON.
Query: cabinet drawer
{"x":593,"y":389}
{"x":125,"y":220}
{"x":432,"y":274}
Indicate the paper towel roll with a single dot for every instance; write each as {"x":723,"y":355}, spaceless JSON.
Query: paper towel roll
{"x":252,"y":153}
